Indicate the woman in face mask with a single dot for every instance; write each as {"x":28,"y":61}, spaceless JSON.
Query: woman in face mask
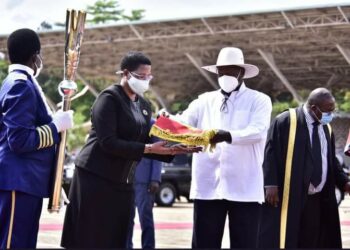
{"x":101,"y":195}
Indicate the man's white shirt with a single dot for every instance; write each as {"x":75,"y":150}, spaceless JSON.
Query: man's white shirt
{"x":233,"y":171}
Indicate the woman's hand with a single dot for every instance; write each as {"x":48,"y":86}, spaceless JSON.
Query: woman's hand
{"x":161,"y":149}
{"x":272,"y":196}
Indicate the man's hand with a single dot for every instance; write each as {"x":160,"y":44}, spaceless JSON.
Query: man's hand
{"x":221,"y":136}
{"x":272,"y":196}
{"x":153,"y":187}
{"x":347,"y":187}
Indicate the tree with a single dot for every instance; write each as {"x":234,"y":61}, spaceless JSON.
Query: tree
{"x":44,"y":25}
{"x":135,"y":15}
{"x":3,"y":69}
{"x":109,"y":10}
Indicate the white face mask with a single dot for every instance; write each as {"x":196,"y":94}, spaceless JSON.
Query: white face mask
{"x":228,"y":83}
{"x":38,"y":68}
{"x":138,"y":86}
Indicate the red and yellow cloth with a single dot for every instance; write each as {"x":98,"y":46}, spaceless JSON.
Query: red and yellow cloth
{"x":168,"y":129}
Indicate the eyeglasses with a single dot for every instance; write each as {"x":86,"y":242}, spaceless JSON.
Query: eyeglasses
{"x":142,"y":77}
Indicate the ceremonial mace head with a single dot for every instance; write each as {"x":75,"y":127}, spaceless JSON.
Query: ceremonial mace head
{"x":75,"y":21}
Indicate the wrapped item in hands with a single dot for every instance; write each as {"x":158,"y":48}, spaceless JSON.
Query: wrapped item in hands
{"x":170,"y":130}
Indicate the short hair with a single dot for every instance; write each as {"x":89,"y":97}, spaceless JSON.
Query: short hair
{"x":22,"y":44}
{"x":133,"y":59}
{"x":317,"y":96}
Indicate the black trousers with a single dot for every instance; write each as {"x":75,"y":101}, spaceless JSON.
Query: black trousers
{"x":209,"y":223}
{"x":98,"y":214}
{"x":310,"y":224}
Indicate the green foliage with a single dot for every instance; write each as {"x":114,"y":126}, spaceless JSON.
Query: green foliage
{"x":179,"y":106}
{"x":3,"y":70}
{"x":342,"y":98}
{"x":345,"y":106}
{"x":76,"y":137}
{"x":44,"y":25}
{"x":109,"y":10}
{"x":279,"y":107}
{"x":81,"y":107}
{"x":135,"y":15}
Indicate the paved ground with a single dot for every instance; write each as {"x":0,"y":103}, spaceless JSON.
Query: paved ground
{"x":173,"y":227}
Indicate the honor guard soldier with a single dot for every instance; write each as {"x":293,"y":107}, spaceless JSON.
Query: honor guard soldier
{"x":28,"y":135}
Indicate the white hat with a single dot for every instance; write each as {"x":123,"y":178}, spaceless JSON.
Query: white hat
{"x":233,"y":56}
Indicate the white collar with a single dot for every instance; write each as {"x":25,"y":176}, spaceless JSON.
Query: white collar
{"x":308,"y":117}
{"x":13,"y":67}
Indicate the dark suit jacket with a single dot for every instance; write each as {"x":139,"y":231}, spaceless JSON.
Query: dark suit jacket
{"x":119,"y":131}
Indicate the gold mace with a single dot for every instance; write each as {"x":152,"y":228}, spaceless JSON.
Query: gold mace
{"x":75,"y":21}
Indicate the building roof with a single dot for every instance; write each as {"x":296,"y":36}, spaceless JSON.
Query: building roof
{"x":294,"y":49}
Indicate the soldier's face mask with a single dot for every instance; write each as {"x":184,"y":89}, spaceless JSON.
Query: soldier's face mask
{"x":38,"y":64}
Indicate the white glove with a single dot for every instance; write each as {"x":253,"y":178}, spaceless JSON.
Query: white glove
{"x":63,"y":120}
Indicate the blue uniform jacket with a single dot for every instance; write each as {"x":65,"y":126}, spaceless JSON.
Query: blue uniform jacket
{"x":27,"y":137}
{"x":148,"y":170}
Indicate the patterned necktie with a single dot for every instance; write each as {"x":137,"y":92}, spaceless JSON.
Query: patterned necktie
{"x":316,"y":176}
{"x":224,"y":107}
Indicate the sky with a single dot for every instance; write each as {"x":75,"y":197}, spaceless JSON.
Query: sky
{"x":17,"y":14}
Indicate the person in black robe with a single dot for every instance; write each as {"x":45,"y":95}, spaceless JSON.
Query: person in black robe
{"x":312,"y":219}
{"x":101,"y":194}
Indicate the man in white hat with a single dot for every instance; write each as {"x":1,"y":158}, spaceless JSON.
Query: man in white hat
{"x":229,"y":180}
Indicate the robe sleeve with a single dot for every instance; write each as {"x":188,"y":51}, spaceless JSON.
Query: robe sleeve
{"x":276,"y":150}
